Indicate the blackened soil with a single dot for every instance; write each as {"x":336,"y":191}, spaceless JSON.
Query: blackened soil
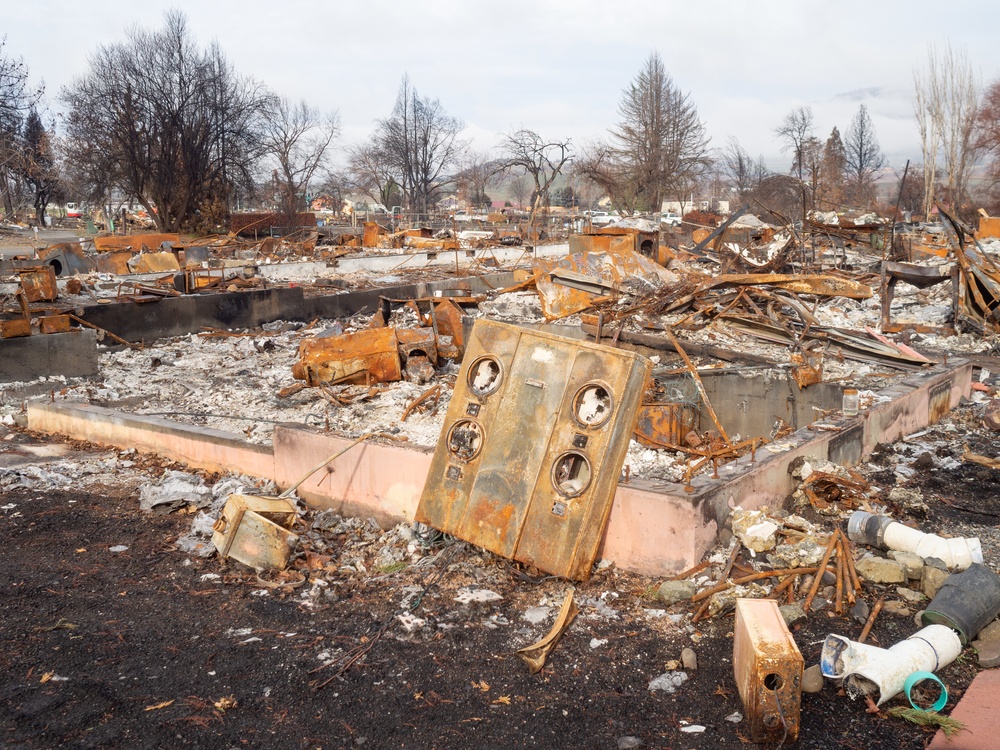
{"x":138,"y":650}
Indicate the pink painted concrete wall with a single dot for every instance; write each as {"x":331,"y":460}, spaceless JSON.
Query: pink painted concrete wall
{"x":199,"y":447}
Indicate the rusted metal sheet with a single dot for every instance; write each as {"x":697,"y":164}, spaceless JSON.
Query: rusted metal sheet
{"x":370,"y":355}
{"x":614,"y":267}
{"x":660,"y":425}
{"x":135,"y":241}
{"x":767,"y":666}
{"x":416,"y":342}
{"x":114,"y":262}
{"x":155,"y":263}
{"x":371,"y":233}
{"x":824,"y":285}
{"x":256,"y":531}
{"x":806,"y":370}
{"x":54,"y":324}
{"x":39,"y":284}
{"x":533,"y":444}
{"x":451,"y":337}
{"x":12,"y":329}
{"x":429,"y":243}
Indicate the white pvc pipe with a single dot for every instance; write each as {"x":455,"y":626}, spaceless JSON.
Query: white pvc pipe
{"x":882,"y":531}
{"x":957,"y":553}
{"x":867,"y":670}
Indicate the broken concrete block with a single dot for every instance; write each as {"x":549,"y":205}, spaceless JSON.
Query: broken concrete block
{"x":755,"y":529}
{"x":932,"y":580}
{"x":913,"y":564}
{"x":988,"y":651}
{"x":671,"y":592}
{"x":668,"y":682}
{"x":174,"y":491}
{"x":990,"y":632}
{"x":909,"y":594}
{"x":880,"y":570}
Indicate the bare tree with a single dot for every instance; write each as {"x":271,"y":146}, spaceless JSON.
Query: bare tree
{"x":743,"y":172}
{"x":658,"y":146}
{"x":163,"y":122}
{"x":372,"y":171}
{"x":863,"y":155}
{"x":478,"y":170}
{"x":987,"y":136}
{"x":17,"y":98}
{"x":517,"y":187}
{"x":422,"y":141}
{"x":298,"y":138}
{"x":796,"y":134}
{"x":946,"y":105}
{"x":525,"y":152}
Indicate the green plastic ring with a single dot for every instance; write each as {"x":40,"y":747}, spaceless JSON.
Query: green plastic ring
{"x":916,"y":677}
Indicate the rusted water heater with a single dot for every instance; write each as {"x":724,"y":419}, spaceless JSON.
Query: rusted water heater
{"x":533,"y":445}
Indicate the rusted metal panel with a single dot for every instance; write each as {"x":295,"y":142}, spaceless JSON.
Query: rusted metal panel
{"x":660,"y":425}
{"x":369,"y":355}
{"x":54,"y":324}
{"x":614,"y":267}
{"x":806,"y":369}
{"x":155,"y":263}
{"x":533,"y":445}
{"x":39,"y":284}
{"x":115,"y":262}
{"x":430,"y":243}
{"x":256,"y":531}
{"x":12,"y":329}
{"x":371,"y":233}
{"x":417,"y":341}
{"x":767,"y":666}
{"x":448,"y":320}
{"x":136,"y":241}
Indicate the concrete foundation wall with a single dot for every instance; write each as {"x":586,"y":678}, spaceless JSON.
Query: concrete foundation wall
{"x":653,"y":529}
{"x":179,"y":316}
{"x":198,"y":447}
{"x":72,"y":354}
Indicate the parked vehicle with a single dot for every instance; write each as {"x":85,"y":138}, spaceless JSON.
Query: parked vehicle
{"x":670,"y":219}
{"x":603,"y":218}
{"x":73,"y":211}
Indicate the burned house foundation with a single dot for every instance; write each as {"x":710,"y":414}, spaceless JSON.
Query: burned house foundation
{"x":653,"y":528}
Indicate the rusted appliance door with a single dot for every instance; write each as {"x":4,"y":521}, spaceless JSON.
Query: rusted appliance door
{"x":533,"y":445}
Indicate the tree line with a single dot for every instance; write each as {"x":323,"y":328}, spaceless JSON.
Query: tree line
{"x":157,"y":120}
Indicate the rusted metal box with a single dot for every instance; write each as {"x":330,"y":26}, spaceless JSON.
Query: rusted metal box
{"x":532,"y":446}
{"x":39,"y":284}
{"x":12,"y":329}
{"x":54,"y":324}
{"x":767,"y":666}
{"x":256,"y":531}
{"x":370,"y":355}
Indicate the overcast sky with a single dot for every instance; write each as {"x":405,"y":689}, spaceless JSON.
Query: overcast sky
{"x":555,"y":66}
